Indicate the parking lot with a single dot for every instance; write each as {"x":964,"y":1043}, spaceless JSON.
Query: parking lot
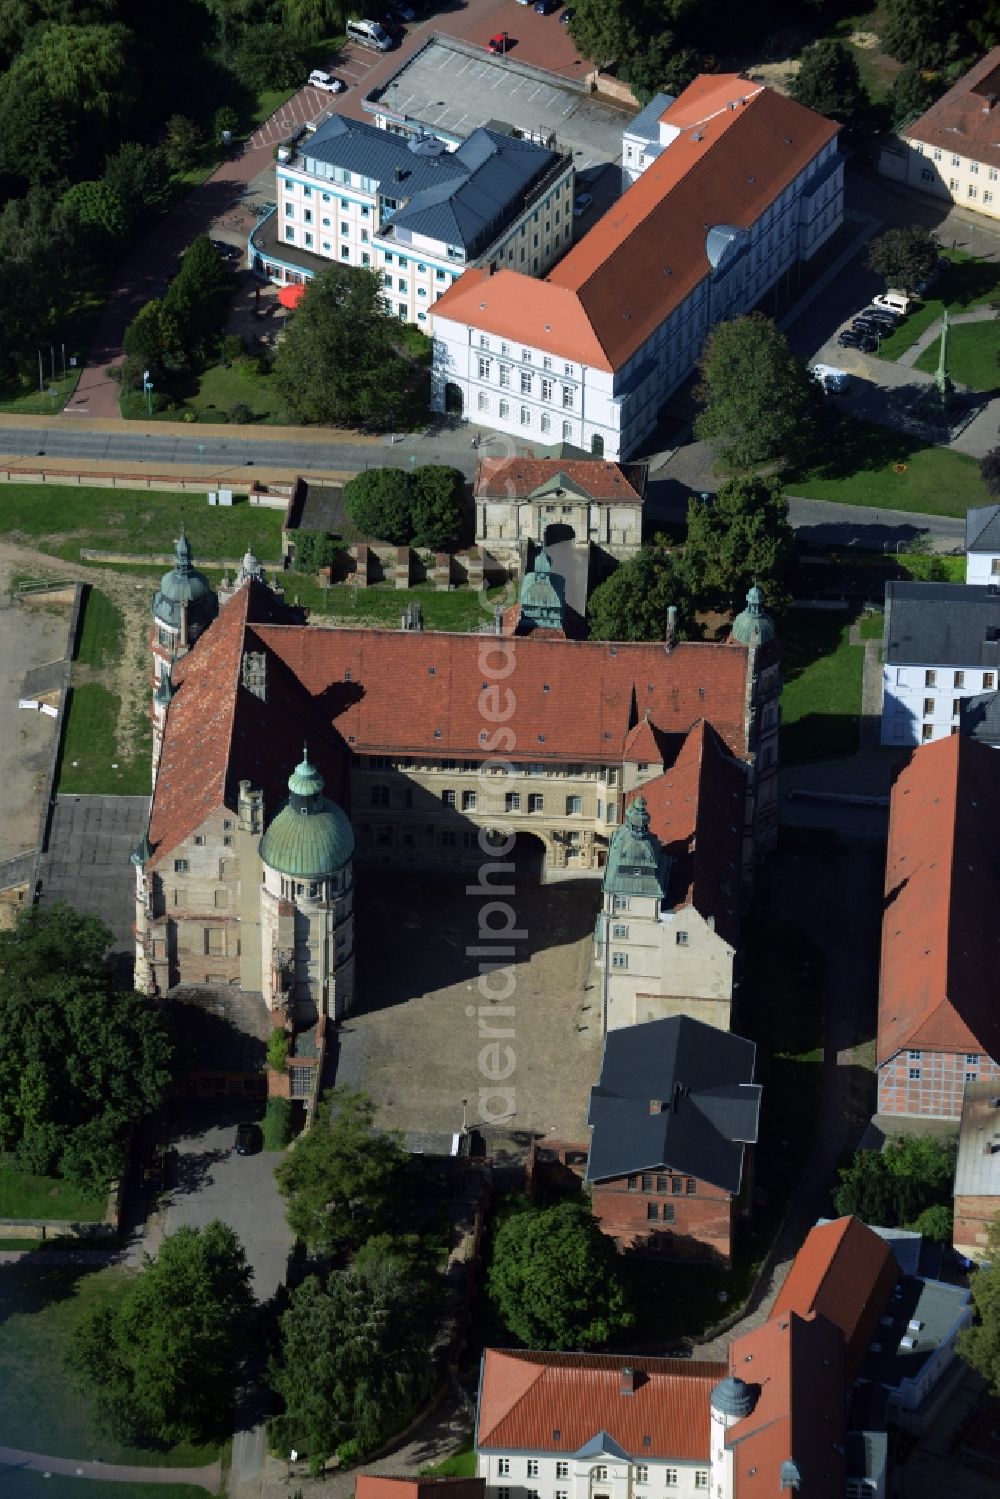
{"x":212,"y":1181}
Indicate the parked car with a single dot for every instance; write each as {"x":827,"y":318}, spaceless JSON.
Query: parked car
{"x":893,"y":301}
{"x":500,"y":43}
{"x":566,"y":17}
{"x":581,"y":203}
{"x":866,"y":342}
{"x":546,"y":7}
{"x":879,"y":315}
{"x":247,"y":1139}
{"x":326,"y":82}
{"x":227,"y":251}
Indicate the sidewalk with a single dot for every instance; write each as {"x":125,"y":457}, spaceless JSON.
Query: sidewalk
{"x":208,"y":1477}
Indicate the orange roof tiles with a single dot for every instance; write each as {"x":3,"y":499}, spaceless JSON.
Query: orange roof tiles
{"x":845,"y":1273}
{"x":615,"y":287}
{"x":940,"y":942}
{"x":964,"y":121}
{"x":795,"y":1365}
{"x":696,"y":810}
{"x":515,"y":478}
{"x":556,"y":1402}
{"x":419,"y":692}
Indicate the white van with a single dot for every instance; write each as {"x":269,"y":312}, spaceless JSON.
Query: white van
{"x":893,"y":301}
{"x":369,"y":34}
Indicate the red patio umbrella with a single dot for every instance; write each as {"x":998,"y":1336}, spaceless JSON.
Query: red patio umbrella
{"x":291,"y":296}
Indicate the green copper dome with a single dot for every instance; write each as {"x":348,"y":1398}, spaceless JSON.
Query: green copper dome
{"x":637,"y":864}
{"x":311,"y":837}
{"x":542,"y":595}
{"x":753,"y":626}
{"x":184,"y":584}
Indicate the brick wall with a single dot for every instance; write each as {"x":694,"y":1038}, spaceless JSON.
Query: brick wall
{"x":694,"y":1223}
{"x":930,"y":1084}
{"x":973,"y":1217}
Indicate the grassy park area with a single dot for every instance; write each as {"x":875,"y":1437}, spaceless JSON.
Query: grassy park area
{"x":42,"y":1409}
{"x":91,"y":762}
{"x":973,"y":355}
{"x":25,"y":1196}
{"x":821,"y":699}
{"x":969,"y":283}
{"x":864,"y":464}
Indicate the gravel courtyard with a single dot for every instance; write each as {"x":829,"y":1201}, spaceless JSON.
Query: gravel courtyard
{"x":420,"y":1041}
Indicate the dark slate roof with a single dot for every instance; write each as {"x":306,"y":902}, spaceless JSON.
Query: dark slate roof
{"x":459,"y":197}
{"x":701,"y":1079}
{"x":982,"y":529}
{"x":979,"y":717}
{"x":942,"y":624}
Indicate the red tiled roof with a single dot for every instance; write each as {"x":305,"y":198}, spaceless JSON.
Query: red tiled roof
{"x":647,"y":253}
{"x":846,"y":1273}
{"x":388,"y":1486}
{"x":963,"y":121}
{"x":218,"y":733}
{"x":515,"y":478}
{"x":398,"y":692}
{"x":696,"y":810}
{"x":526,"y":1397}
{"x":642,"y":745}
{"x":795,"y":1366}
{"x":940,"y":939}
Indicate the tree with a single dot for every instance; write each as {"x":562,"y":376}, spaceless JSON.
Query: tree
{"x":926,"y":33}
{"x":899,"y":1184}
{"x":97,"y":206}
{"x":632,"y":604}
{"x":741,"y":537}
{"x":340,"y":1174}
{"x":935,"y":1223}
{"x":139,"y":176}
{"x":759,"y":400}
{"x":867,"y":1189}
{"x":903,"y":257}
{"x":313,"y":19}
{"x":198,"y":297}
{"x":912,"y":92}
{"x":181,"y":142}
{"x":380,"y":503}
{"x":89,"y":68}
{"x":338,"y":361}
{"x":153,"y":339}
{"x":554,"y":1278}
{"x":353,"y":1362}
{"x":161,"y":1363}
{"x":270,"y":57}
{"x":438,"y":507}
{"x":829,"y":82}
{"x":979,"y":1344}
{"x":989,"y":468}
{"x":79,"y":1061}
{"x":313,"y":550}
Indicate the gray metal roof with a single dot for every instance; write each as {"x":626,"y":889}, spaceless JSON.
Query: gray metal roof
{"x":461,"y":197}
{"x":942,"y":624}
{"x":982,"y":529}
{"x":646,"y":124}
{"x":674,"y":1093}
{"x":935,"y":1306}
{"x":979,"y":717}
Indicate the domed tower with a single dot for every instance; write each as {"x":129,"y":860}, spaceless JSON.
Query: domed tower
{"x":307,"y":903}
{"x":183,"y":606}
{"x":732,"y":1399}
{"x":542,"y":596}
{"x":754,"y":628}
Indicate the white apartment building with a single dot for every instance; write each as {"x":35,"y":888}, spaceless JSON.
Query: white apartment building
{"x":953,"y":149}
{"x":982,"y":544}
{"x":941,"y":644}
{"x":745,"y":186}
{"x":414,"y":210}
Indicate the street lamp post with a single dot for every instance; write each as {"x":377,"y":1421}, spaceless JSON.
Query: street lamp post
{"x":201,"y":461}
{"x":147,"y":386}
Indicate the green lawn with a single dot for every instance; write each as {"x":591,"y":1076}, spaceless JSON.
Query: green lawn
{"x":220,"y":388}
{"x":973,"y":355}
{"x":101,"y":631}
{"x":877,"y":69}
{"x":821,"y":699}
{"x":33,"y":402}
{"x":864,"y":464}
{"x":61,"y":518}
{"x":383,"y":604}
{"x":461,"y":1464}
{"x":42,"y":1409}
{"x":90,"y":764}
{"x":22,"y":1483}
{"x":872,"y":627}
{"x":969,"y":283}
{"x":25,"y":1196}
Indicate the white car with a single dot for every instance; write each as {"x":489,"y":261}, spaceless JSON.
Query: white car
{"x":326,"y":81}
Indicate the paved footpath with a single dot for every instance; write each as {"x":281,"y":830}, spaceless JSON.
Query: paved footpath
{"x":208,"y":1477}
{"x":977,"y":315}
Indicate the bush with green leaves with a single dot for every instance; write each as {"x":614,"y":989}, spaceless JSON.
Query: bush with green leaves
{"x":314,"y":550}
{"x":897,"y":1185}
{"x":277,"y":1049}
{"x":277,"y":1125}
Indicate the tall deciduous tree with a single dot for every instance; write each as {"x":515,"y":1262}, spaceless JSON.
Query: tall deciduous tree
{"x":555,"y":1279}
{"x":632,"y":604}
{"x":903,"y":257}
{"x":353,"y":1363}
{"x":340,"y":1174}
{"x":912,"y":92}
{"x":438,"y":506}
{"x":926,"y":33}
{"x":979,"y":1344}
{"x":162,"y":1362}
{"x":829,"y":82}
{"x":380,"y":503}
{"x":758,"y":398}
{"x":338,"y":361}
{"x":741,"y":537}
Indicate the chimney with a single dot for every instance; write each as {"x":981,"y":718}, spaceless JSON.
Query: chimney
{"x":988,"y":103}
{"x":656,"y":1105}
{"x":626,"y":1385}
{"x":671,"y":634}
{"x":487,"y":270}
